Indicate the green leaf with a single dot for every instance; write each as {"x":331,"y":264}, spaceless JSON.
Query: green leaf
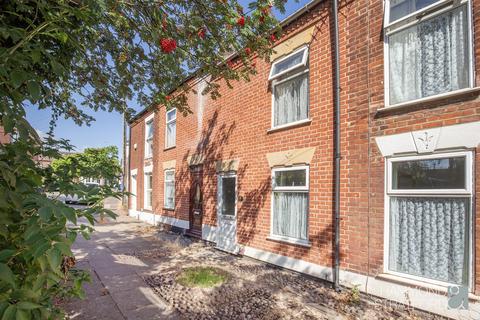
{"x":57,"y":67}
{"x":23,"y":315}
{"x":42,"y":261}
{"x":54,"y":257}
{"x":17,"y":77}
{"x":63,"y":248}
{"x":70,"y":214}
{"x":7,"y":275}
{"x":27,"y":305}
{"x":41,"y":249}
{"x":45,"y":213}
{"x":9,"y":314}
{"x":34,"y":90}
{"x":6,"y":254}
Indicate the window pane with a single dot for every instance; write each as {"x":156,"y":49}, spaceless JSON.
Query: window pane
{"x":228,"y":196}
{"x":169,"y":194}
{"x":288,"y":63}
{"x":170,"y":175}
{"x":149,"y":129}
{"x":149,"y":148}
{"x":150,"y":181}
{"x":428,"y":237}
{"x":446,"y":173}
{"x":290,"y":214}
{"x":171,"y":132}
{"x":402,"y":8}
{"x":291,"y":100}
{"x":430,"y":57}
{"x":171,"y":115}
{"x":149,"y":198}
{"x":290,"y":178}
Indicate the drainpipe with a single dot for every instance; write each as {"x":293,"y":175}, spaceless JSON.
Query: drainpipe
{"x":336,"y":268}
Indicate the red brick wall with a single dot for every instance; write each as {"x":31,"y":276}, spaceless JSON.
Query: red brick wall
{"x":235,"y":127}
{"x":362,"y":192}
{"x":4,"y":138}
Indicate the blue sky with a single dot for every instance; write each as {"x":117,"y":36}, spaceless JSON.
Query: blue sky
{"x":107,"y":129}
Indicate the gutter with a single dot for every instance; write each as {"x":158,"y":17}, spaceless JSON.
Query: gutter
{"x":338,"y":156}
{"x":284,"y":23}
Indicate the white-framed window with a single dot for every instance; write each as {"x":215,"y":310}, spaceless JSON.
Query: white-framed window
{"x":169,"y":189}
{"x":290,"y":198}
{"x":227,"y":194}
{"x":290,"y":89}
{"x":428,"y":217}
{"x":148,"y":185}
{"x":171,"y":128}
{"x":149,"y":138}
{"x":428,"y":49}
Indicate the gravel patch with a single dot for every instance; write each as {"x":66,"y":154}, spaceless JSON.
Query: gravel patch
{"x":253,"y":289}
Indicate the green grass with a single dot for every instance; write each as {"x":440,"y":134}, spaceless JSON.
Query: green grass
{"x":203,"y":277}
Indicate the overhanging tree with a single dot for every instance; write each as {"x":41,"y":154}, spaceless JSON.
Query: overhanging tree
{"x":70,"y":56}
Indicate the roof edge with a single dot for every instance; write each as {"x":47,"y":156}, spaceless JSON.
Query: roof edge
{"x":284,"y":23}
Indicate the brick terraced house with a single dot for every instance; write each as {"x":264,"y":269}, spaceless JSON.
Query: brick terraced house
{"x":254,"y":171}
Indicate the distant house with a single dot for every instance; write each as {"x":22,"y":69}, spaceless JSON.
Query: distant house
{"x":253,"y":171}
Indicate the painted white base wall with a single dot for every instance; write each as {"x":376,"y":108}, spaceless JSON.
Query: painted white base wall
{"x":209,"y":233}
{"x":150,"y":218}
{"x":425,"y":299}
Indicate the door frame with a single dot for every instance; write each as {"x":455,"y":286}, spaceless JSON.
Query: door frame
{"x":220,"y":216}
{"x":195,"y":171}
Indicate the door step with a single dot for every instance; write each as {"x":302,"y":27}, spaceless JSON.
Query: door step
{"x":194,"y":233}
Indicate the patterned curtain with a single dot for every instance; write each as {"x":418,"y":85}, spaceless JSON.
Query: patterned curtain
{"x":171,"y":133}
{"x":291,"y":100}
{"x":428,"y":237}
{"x":290,"y":211}
{"x":430,"y":57}
{"x":170,"y":189}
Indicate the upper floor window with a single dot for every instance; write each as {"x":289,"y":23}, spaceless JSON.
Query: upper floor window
{"x":171,"y":128}
{"x":290,"y":86}
{"x":149,"y":138}
{"x":428,"y":49}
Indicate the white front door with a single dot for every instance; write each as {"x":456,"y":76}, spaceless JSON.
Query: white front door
{"x":133,"y":191}
{"x":227,"y":212}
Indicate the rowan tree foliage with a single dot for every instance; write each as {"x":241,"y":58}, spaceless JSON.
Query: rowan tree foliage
{"x":72,"y":56}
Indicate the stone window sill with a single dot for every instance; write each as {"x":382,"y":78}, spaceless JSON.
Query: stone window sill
{"x":303,"y":243}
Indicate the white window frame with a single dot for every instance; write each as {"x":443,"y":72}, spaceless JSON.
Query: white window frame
{"x":146,"y":172}
{"x":303,"y":63}
{"x":167,"y":122}
{"x":304,"y":189}
{"x":221,"y":176}
{"x":165,"y":188}
{"x":149,"y":121}
{"x":463,"y":193}
{"x":411,"y":19}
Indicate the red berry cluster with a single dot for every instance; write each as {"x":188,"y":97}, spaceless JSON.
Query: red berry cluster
{"x":241,"y":21}
{"x":168,"y":45}
{"x":201,"y":33}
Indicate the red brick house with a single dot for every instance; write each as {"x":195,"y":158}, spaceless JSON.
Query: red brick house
{"x":254,"y":171}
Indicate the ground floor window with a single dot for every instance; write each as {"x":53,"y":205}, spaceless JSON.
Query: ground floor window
{"x":429,"y":200}
{"x":148,"y":190}
{"x":227,"y":194}
{"x":169,"y":202}
{"x":290,"y":203}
